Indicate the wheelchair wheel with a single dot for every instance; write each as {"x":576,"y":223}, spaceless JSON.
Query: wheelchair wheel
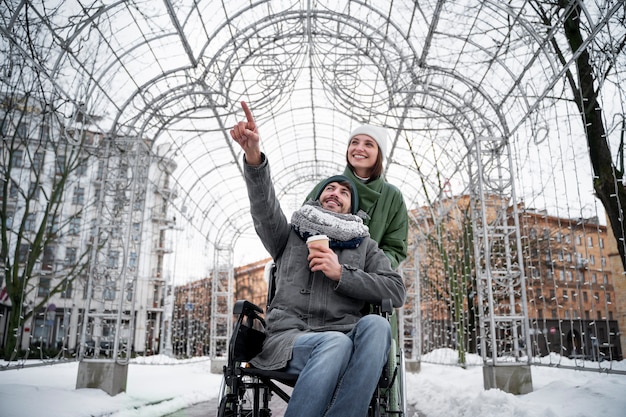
{"x":229,"y":403}
{"x":228,"y":406}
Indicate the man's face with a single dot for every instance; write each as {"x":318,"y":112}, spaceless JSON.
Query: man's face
{"x":336,"y":197}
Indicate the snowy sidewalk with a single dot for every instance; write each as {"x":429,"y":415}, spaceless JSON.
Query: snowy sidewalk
{"x":163,"y":386}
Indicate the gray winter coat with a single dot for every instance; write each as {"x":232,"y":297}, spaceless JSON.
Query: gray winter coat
{"x":307,"y":301}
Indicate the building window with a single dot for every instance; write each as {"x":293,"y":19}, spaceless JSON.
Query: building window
{"x":81,"y":169}
{"x":603,"y":261}
{"x":585,"y":297}
{"x":592,"y":259}
{"x":53,"y":225}
{"x":23,"y":253}
{"x":540,"y":314}
{"x":587,"y":315}
{"x":590,"y":241}
{"x":605,"y":279}
{"x":48,"y":257}
{"x":33,"y":190}
{"x":558,"y":237}
{"x":100,"y":173}
{"x":70,"y":256}
{"x":538,"y":293}
{"x":75,"y":225}
{"x":9,"y":220}
{"x":60,"y":164}
{"x":533,"y":233}
{"x":568,"y":274}
{"x":22,"y":130}
{"x":108,"y":294}
{"x":113,"y":260}
{"x":553,"y":312}
{"x":561,"y":275}
{"x":552,"y":294}
{"x":66,"y":292}
{"x":44,"y":287}
{"x":17,"y":158}
{"x":579,"y":240}
{"x":29,"y":223}
{"x":594,"y":278}
{"x":37,"y":164}
{"x":601,"y":242}
{"x":129,"y":292}
{"x":45,"y":132}
{"x":608,"y":297}
{"x":14,"y":189}
{"x":79,"y":196}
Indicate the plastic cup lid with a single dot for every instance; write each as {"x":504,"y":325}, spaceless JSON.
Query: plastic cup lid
{"x":316,"y":237}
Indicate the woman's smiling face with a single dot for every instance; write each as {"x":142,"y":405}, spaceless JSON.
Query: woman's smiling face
{"x":362,"y":154}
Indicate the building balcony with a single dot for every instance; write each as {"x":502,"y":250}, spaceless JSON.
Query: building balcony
{"x":166,"y":192}
{"x":155,"y":306}
{"x":158,"y":216}
{"x":163,"y":248}
{"x":157,"y":276}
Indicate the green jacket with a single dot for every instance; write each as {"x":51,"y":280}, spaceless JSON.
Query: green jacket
{"x":388,"y":220}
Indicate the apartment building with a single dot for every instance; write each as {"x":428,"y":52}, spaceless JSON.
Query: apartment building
{"x":93,"y":265}
{"x":568,"y":272}
{"x":571,"y":290}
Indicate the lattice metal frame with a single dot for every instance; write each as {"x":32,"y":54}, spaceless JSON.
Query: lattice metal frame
{"x":501,"y":283}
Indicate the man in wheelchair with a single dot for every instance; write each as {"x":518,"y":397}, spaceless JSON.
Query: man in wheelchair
{"x":316,"y":327}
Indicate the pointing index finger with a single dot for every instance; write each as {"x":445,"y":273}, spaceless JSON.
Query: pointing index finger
{"x":248,"y":113}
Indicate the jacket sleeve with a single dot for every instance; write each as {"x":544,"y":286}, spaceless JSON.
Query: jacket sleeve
{"x":376,"y":281}
{"x":270,"y":222}
{"x":394,"y":240}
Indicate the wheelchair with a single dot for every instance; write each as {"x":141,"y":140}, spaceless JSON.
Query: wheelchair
{"x":246,"y":391}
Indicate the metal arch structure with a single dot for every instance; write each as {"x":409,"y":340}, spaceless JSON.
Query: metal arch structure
{"x":439,"y":75}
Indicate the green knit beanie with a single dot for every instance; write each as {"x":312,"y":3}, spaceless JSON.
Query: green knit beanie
{"x":354,"y":204}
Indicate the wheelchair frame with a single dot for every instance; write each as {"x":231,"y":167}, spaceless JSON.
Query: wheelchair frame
{"x":247,"y":391}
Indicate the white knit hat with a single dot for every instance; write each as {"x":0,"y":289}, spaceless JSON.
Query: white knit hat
{"x":379,"y":134}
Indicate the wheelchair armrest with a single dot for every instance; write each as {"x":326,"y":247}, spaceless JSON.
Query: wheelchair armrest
{"x":248,"y":333}
{"x":386,"y":306}
{"x":246,"y":308}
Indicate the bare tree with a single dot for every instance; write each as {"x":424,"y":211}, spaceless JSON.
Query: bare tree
{"x":594,"y":66}
{"x":42,"y":161}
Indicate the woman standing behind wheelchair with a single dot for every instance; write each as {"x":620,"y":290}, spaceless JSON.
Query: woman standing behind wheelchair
{"x":315,"y":325}
{"x":387,"y":216}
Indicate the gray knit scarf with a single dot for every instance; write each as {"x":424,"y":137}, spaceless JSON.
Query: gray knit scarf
{"x":343,"y":230}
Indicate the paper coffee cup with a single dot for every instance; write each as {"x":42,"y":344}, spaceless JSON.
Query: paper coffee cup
{"x":317,"y":241}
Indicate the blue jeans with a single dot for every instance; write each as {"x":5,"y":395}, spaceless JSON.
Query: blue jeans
{"x":338,"y":372}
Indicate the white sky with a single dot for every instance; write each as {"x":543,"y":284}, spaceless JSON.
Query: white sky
{"x":437,"y":391}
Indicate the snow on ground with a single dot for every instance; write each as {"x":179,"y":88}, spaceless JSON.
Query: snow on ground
{"x":159,"y":385}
